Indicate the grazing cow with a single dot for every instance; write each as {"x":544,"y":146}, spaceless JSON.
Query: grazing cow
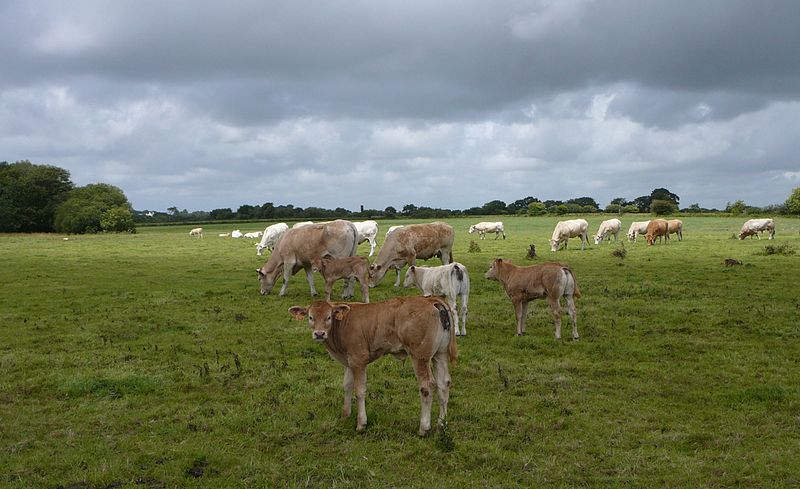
{"x":358,"y":334}
{"x":637,"y":228}
{"x":367,"y":231}
{"x":392,"y":229}
{"x":301,"y":245}
{"x":569,"y":229}
{"x":754,"y":227}
{"x":524,"y":284}
{"x":196,"y":232}
{"x":675,"y":226}
{"x":488,"y":227}
{"x":348,"y":268}
{"x":410,"y":242}
{"x":607,"y":228}
{"x":448,"y":281}
{"x":271,"y":236}
{"x":656,"y":229}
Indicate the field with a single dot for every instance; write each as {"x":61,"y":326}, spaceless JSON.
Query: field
{"x":150,"y":360}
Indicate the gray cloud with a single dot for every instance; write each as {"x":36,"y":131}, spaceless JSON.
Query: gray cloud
{"x":447,"y":104}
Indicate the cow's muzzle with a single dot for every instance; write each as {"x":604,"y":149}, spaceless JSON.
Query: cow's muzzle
{"x":319,"y":335}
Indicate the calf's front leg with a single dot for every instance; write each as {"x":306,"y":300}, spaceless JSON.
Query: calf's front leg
{"x":360,"y":381}
{"x":348,"y":392}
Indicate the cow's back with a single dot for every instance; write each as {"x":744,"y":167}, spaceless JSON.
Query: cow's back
{"x":336,"y":238}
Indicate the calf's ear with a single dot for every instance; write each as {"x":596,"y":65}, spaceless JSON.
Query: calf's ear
{"x":259,"y":272}
{"x":298,"y":312}
{"x":340,"y":311}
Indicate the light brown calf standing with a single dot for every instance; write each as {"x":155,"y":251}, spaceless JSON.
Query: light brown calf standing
{"x":524,"y":284}
{"x":656,"y":229}
{"x":349,"y":268}
{"x":357,"y":334}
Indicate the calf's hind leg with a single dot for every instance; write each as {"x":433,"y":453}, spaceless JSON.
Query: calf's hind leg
{"x":441,"y":375}
{"x":555,"y":308}
{"x":423,"y":372}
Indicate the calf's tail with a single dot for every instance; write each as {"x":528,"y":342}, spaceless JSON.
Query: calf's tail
{"x":576,"y":291}
{"x":445,"y":316}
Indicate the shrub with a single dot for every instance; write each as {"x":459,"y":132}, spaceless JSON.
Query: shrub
{"x":93,"y":208}
{"x":782,"y":249}
{"x":662,"y":207}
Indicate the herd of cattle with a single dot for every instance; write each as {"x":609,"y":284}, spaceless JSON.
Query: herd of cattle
{"x":425,"y":328}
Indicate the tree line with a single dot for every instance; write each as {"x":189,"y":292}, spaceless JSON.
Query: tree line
{"x":42,"y":198}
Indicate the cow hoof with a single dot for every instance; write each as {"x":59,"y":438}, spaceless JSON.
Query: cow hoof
{"x":576,"y":338}
{"x":423,"y":432}
{"x":361,"y":427}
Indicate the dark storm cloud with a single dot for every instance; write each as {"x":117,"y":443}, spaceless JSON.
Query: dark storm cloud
{"x":204,"y":104}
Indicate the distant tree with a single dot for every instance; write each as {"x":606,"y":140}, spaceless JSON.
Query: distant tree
{"x":248,"y":212}
{"x":585,"y":202}
{"x":737,"y":207}
{"x":574,"y":208}
{"x":664,"y":194}
{"x":474,"y":211}
{"x":409,"y":209}
{"x":663,"y":207}
{"x":643,"y":203}
{"x":95,"y":207}
{"x":560,"y":209}
{"x":620,"y":201}
{"x":520,"y":205}
{"x":390,"y":212}
{"x":536,"y":209}
{"x":792,"y":204}
{"x":30,"y":194}
{"x":222,"y":214}
{"x":494,"y":207}
{"x":172,"y":210}
{"x":267,"y":210}
{"x":613,"y":209}
{"x":631,"y":208}
{"x":552,"y":203}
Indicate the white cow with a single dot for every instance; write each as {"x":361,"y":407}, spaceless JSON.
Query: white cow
{"x":393,"y":228}
{"x":271,"y":236}
{"x":757,"y":226}
{"x":488,"y":227}
{"x":301,"y":224}
{"x":236,"y":234}
{"x":196,"y":232}
{"x":607,"y":228}
{"x":637,"y":228}
{"x":253,"y":234}
{"x":569,"y":229}
{"x":367,"y":231}
{"x":448,"y":281}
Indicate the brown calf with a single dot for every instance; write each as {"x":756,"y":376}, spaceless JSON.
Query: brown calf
{"x":524,"y":284}
{"x":655,"y":229}
{"x":357,"y":334}
{"x":333,"y":269}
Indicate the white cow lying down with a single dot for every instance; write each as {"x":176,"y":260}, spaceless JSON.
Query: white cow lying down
{"x":449,"y":281}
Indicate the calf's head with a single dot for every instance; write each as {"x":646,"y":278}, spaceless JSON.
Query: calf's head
{"x":553,"y":245}
{"x":321,"y":316}
{"x":471,"y":229}
{"x":493,"y":273}
{"x":411,"y":277}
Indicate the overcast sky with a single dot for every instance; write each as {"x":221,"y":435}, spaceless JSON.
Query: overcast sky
{"x":209,"y":104}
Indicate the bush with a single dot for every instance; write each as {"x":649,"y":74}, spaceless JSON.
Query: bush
{"x":783,"y":249}
{"x":536,"y":209}
{"x":613,"y":209}
{"x":662,"y":207}
{"x":93,"y":208}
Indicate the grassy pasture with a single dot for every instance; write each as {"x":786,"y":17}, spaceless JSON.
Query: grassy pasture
{"x":150,"y":360}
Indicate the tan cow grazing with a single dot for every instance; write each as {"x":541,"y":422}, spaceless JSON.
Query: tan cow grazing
{"x":569,"y":229}
{"x":656,"y":229}
{"x":524,"y":284}
{"x":299,"y":246}
{"x":754,"y":227}
{"x":196,"y":232}
{"x":348,"y":268}
{"x":406,"y":244}
{"x":675,"y":226}
{"x":357,"y":334}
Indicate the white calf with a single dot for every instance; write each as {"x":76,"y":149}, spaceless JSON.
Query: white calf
{"x":607,"y":228}
{"x":271,"y":236}
{"x":448,"y":281}
{"x":196,"y":232}
{"x":367,"y":230}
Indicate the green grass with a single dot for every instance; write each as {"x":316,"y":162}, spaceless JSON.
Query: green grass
{"x":150,"y":360}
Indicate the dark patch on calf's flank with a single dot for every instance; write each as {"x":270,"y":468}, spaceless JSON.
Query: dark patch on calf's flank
{"x":459,"y":273}
{"x":444,"y":316}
